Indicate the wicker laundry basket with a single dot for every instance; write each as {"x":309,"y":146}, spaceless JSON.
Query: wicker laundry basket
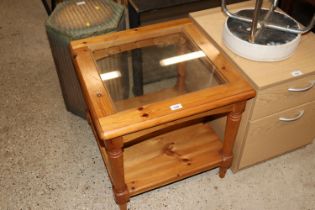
{"x":73,"y":20}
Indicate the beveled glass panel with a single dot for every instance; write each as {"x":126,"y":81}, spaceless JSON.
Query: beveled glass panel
{"x":155,"y":69}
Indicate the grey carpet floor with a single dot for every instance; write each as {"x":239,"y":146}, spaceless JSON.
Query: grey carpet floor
{"x":49,"y":160}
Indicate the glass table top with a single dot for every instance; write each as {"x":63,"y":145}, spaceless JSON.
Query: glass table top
{"x":159,"y":69}
{"x":158,"y":75}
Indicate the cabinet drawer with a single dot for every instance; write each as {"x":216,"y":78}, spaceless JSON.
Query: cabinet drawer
{"x":284,"y":96}
{"x":269,"y":136}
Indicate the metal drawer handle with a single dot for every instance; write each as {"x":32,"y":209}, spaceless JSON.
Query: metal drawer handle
{"x":309,"y":86}
{"x":286,"y":119}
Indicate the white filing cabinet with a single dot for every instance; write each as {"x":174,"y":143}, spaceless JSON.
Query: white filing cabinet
{"x":282,"y":116}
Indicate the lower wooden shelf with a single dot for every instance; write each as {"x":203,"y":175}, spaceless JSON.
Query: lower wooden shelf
{"x":170,"y":157}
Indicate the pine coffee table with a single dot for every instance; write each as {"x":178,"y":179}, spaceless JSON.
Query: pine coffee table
{"x":164,"y":135}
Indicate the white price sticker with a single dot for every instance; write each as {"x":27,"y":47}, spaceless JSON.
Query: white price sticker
{"x":80,"y":3}
{"x":176,"y":107}
{"x":296,"y":73}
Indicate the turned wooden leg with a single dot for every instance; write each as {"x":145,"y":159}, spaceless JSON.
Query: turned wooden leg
{"x":123,"y":206}
{"x":115,"y":157}
{"x":181,"y":68}
{"x":231,"y":128}
{"x":137,"y":71}
{"x":180,"y":84}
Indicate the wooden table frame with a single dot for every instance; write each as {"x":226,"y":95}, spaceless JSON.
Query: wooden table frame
{"x":114,"y":130}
